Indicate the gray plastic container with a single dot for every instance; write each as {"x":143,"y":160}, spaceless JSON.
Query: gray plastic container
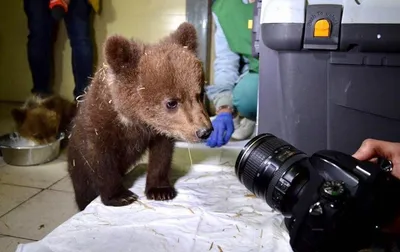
{"x":329,"y":93}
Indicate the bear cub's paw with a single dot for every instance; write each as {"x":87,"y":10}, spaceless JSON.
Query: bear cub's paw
{"x":123,"y":198}
{"x":161,"y":193}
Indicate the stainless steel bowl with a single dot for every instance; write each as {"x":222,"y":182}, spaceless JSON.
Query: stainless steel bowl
{"x":17,"y":155}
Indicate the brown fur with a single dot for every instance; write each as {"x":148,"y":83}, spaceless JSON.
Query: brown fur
{"x":124,"y":113}
{"x":42,"y":119}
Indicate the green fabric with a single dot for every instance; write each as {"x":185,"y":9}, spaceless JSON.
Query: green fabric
{"x":233,"y":16}
{"x":245,"y":96}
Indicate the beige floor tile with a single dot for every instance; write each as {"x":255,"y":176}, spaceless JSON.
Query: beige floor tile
{"x":41,"y":176}
{"x":63,"y":155}
{"x":11,"y":196}
{"x":206,"y":156}
{"x":63,"y":185}
{"x":181,"y":157}
{"x":40,"y":215}
{"x":198,"y":156}
{"x":229,"y":156}
{"x":2,"y":163}
{"x":9,"y":244}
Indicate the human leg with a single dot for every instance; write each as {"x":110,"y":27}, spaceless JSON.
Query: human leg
{"x":245,"y":101}
{"x":41,"y":28}
{"x":78,"y":24}
{"x":245,"y":96}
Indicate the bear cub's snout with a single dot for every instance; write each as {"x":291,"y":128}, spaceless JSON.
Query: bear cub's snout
{"x":204,"y":133}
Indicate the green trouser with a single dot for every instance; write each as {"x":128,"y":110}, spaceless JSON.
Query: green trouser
{"x":245,"y":96}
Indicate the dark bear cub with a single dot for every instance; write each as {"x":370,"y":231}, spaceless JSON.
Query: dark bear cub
{"x":143,"y":98}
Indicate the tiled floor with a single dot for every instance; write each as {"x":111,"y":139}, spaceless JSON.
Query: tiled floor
{"x":35,"y":200}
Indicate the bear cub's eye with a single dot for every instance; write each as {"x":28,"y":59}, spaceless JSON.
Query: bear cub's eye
{"x":171,"y":104}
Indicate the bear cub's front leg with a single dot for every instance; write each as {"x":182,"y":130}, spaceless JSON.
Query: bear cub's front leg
{"x":158,"y":186}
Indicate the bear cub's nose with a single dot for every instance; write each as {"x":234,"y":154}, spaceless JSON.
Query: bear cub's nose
{"x":204,"y":133}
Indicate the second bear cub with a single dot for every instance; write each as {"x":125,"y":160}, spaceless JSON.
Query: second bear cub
{"x":41,"y":120}
{"x":144,"y":97}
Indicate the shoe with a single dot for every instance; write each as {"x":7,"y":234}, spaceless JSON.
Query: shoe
{"x":244,"y":130}
{"x":236,"y":122}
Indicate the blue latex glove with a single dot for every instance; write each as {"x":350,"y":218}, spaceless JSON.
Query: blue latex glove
{"x":223,"y":130}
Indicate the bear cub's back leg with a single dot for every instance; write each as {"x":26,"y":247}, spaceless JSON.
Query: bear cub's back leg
{"x":99,"y":175}
{"x":83,"y":188}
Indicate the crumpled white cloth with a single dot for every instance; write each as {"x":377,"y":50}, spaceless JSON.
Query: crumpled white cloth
{"x":212,"y":212}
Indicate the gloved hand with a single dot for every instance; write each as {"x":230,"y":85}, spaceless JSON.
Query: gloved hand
{"x":223,"y":130}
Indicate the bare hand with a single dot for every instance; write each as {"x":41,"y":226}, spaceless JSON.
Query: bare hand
{"x":371,"y":149}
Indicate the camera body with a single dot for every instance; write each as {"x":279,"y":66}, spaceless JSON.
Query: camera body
{"x":330,"y":200}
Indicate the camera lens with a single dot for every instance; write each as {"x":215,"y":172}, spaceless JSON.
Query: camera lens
{"x":273,"y":170}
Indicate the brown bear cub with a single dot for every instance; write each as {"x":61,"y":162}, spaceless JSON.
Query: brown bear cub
{"x":41,"y":120}
{"x":143,"y":98}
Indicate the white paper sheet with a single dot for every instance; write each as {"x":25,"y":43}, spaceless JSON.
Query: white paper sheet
{"x":212,"y":212}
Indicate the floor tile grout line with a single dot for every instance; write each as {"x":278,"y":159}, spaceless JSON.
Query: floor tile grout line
{"x":18,"y":237}
{"x":41,"y":190}
{"x":38,"y":188}
{"x":58,"y":190}
{"x":55,"y":161}
{"x":57,"y":181}
{"x":1,"y":216}
{"x":33,"y":187}
{"x":25,"y":186}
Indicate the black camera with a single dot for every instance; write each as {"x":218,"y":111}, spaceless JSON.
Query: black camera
{"x":330,"y":200}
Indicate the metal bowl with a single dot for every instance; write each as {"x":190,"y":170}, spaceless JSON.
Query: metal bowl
{"x":17,"y":154}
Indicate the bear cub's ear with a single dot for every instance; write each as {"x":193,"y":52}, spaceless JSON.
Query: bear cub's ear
{"x":185,"y":35}
{"x":121,"y":54}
